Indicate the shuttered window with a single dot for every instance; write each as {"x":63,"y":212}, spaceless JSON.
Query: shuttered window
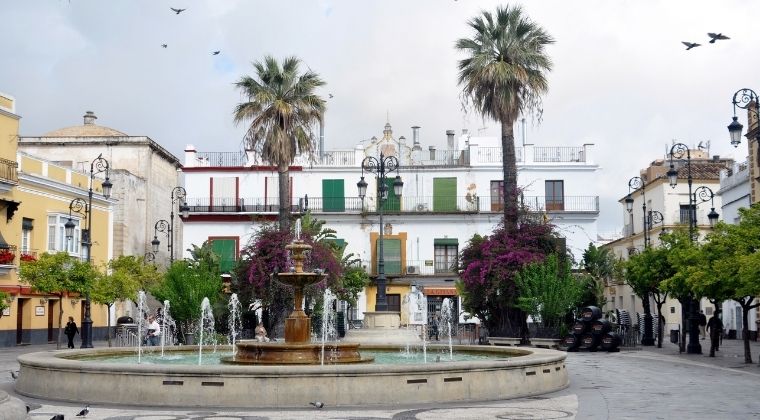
{"x":333,"y":198}
{"x":393,"y":202}
{"x":226,"y":249}
{"x":225,"y":193}
{"x":445,"y":194}
{"x":445,"y":252}
{"x":391,"y":255}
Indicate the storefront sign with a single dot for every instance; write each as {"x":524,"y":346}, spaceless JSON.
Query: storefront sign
{"x":440,"y":291}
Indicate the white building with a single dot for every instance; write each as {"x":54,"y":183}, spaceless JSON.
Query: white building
{"x":448,"y":196}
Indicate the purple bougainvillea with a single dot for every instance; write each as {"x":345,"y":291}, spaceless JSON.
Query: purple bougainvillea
{"x":487,"y":279}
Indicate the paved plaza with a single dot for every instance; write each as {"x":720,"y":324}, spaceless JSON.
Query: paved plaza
{"x":638,"y":384}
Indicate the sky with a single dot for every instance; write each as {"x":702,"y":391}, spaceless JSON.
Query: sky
{"x":621,"y":80}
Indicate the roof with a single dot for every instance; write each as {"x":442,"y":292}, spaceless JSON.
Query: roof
{"x":88,"y":129}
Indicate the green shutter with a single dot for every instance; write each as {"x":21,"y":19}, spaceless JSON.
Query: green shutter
{"x":339,"y":243}
{"x":225,"y":249}
{"x":446,"y":241}
{"x":393,"y":202}
{"x":392,"y":255}
{"x":333,"y":198}
{"x":445,"y":194}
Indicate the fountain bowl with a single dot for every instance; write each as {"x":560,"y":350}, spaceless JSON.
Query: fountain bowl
{"x":512,"y":372}
{"x":254,"y":352}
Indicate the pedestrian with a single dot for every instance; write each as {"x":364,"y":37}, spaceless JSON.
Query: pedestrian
{"x":71,"y":330}
{"x":715,"y":327}
{"x":434,"y":328}
{"x":702,"y":324}
{"x":154,"y":331}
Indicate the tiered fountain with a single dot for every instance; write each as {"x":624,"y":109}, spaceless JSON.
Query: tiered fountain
{"x":298,"y":348}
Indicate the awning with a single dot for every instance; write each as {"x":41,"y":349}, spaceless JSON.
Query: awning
{"x":445,"y":241}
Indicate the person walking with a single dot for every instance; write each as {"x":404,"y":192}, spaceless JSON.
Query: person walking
{"x":71,"y":330}
{"x":154,"y":331}
{"x":715,"y":327}
{"x":702,"y":324}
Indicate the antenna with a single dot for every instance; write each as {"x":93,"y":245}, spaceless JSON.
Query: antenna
{"x":523,"y":131}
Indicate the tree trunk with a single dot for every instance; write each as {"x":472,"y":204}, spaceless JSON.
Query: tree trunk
{"x":108,"y":332}
{"x":648,"y":336}
{"x":509,"y":169}
{"x":660,"y":331}
{"x":745,"y":328}
{"x":283,"y":180}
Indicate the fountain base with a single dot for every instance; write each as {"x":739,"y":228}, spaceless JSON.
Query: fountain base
{"x":254,"y":352}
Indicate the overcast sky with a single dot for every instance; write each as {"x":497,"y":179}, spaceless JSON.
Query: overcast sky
{"x":621,"y":80}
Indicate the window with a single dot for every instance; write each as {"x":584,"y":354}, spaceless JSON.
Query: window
{"x":227,"y":250}
{"x":339,"y":243}
{"x":684,"y":214}
{"x":57,"y":241}
{"x":497,"y":195}
{"x":333,"y":196}
{"x":393,"y":202}
{"x":445,"y":194}
{"x":26,"y":235}
{"x":391,"y":255}
{"x":672,"y":309}
{"x":272,"y":193}
{"x":555,"y":195}
{"x":394,"y":302}
{"x":445,"y":252}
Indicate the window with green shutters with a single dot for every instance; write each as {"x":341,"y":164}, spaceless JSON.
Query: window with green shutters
{"x":393,"y":202}
{"x":445,"y":194}
{"x":446,"y":251}
{"x":339,"y":243}
{"x":391,"y":255}
{"x":226,"y":249}
{"x":333,"y":196}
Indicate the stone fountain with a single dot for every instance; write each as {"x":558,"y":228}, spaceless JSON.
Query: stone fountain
{"x":298,"y":348}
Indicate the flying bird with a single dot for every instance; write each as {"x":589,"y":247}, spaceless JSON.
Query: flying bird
{"x":164,"y":45}
{"x":700,"y":146}
{"x":14,"y":374}
{"x":715,"y":37}
{"x":215,"y":53}
{"x":177,"y":11}
{"x":85,"y":411}
{"x":690,"y":45}
{"x":317,"y":404}
{"x":329,"y":95}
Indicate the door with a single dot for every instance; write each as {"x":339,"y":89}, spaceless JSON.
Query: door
{"x":51,"y":320}
{"x":555,"y":195}
{"x":444,"y":194}
{"x":20,"y":321}
{"x":394,"y":302}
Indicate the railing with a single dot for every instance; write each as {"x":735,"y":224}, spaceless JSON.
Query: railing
{"x":8,"y":171}
{"x":445,"y":158}
{"x":558,"y":154}
{"x":580,"y":203}
{"x":493,"y":154}
{"x":226,"y":159}
{"x":337,"y":158}
{"x":240,"y":205}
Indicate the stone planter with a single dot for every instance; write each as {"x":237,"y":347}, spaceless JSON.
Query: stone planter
{"x":189,"y":339}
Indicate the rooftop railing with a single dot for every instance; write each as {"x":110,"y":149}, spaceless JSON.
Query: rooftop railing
{"x":8,"y":171}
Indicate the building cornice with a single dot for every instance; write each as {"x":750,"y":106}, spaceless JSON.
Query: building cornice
{"x":106,"y":141}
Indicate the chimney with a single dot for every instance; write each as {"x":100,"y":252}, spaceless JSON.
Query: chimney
{"x":416,"y":134}
{"x":450,"y":139}
{"x":432,"y":152}
{"x":464,"y":131}
{"x":89,"y":118}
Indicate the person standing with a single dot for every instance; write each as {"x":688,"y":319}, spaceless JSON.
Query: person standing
{"x":702,"y":323}
{"x":71,"y":330}
{"x":154,"y":331}
{"x":715,"y":327}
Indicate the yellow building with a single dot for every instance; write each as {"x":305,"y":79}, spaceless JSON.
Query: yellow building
{"x":35,"y":198}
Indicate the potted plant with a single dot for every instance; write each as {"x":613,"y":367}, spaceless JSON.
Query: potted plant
{"x":7,"y":256}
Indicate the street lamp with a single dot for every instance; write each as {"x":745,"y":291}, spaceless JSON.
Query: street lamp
{"x":78,"y":205}
{"x":381,"y":167}
{"x":179,"y":195}
{"x":678,"y":151}
{"x":162,"y":226}
{"x":743,"y":98}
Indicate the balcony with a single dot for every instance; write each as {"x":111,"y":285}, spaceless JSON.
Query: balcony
{"x":8,"y":174}
{"x":412,"y":268}
{"x":7,"y":258}
{"x":468,"y":204}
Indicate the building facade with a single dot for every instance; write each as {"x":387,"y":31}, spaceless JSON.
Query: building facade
{"x":35,"y":195}
{"x":448,"y":196}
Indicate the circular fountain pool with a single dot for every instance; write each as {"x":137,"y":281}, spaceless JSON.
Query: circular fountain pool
{"x":493,"y":373}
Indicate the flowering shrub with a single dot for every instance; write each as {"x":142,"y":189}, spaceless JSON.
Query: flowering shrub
{"x":28,"y":257}
{"x":7,"y":256}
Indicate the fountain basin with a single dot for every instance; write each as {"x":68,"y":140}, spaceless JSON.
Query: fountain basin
{"x":254,"y":352}
{"x":56,"y":375}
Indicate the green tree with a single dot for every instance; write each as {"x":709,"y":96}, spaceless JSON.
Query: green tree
{"x":645,"y":272}
{"x":684,"y":256}
{"x":57,"y":274}
{"x":282,"y":109}
{"x":504,"y":76}
{"x":185,"y":284}
{"x":599,"y":265}
{"x":128,"y":275}
{"x":729,"y":267}
{"x":548,"y":291}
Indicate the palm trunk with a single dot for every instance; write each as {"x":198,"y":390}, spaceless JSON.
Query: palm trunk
{"x":509,"y":168}
{"x":283,"y":181}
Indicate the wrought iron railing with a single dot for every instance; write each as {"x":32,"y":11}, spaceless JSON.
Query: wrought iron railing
{"x":558,"y":154}
{"x":236,"y":205}
{"x":224,"y":159}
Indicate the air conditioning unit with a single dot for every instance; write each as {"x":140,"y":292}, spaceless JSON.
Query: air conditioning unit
{"x":412,"y":269}
{"x":422,"y":207}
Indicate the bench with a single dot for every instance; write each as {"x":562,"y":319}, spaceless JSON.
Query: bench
{"x":504,"y":341}
{"x":547,"y":343}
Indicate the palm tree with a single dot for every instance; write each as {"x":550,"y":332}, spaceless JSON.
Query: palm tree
{"x":282,"y":109}
{"x":503,"y":76}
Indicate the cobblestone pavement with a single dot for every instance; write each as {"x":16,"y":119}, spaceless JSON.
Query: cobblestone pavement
{"x":642,"y":384}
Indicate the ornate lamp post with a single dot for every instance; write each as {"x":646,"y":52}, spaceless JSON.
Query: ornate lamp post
{"x":700,"y":195}
{"x":381,"y":167}
{"x":161,"y":226}
{"x":743,"y":98}
{"x":77,"y":205}
{"x":634,"y":184}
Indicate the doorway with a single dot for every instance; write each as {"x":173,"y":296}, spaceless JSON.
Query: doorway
{"x":20,"y":320}
{"x":51,"y":320}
